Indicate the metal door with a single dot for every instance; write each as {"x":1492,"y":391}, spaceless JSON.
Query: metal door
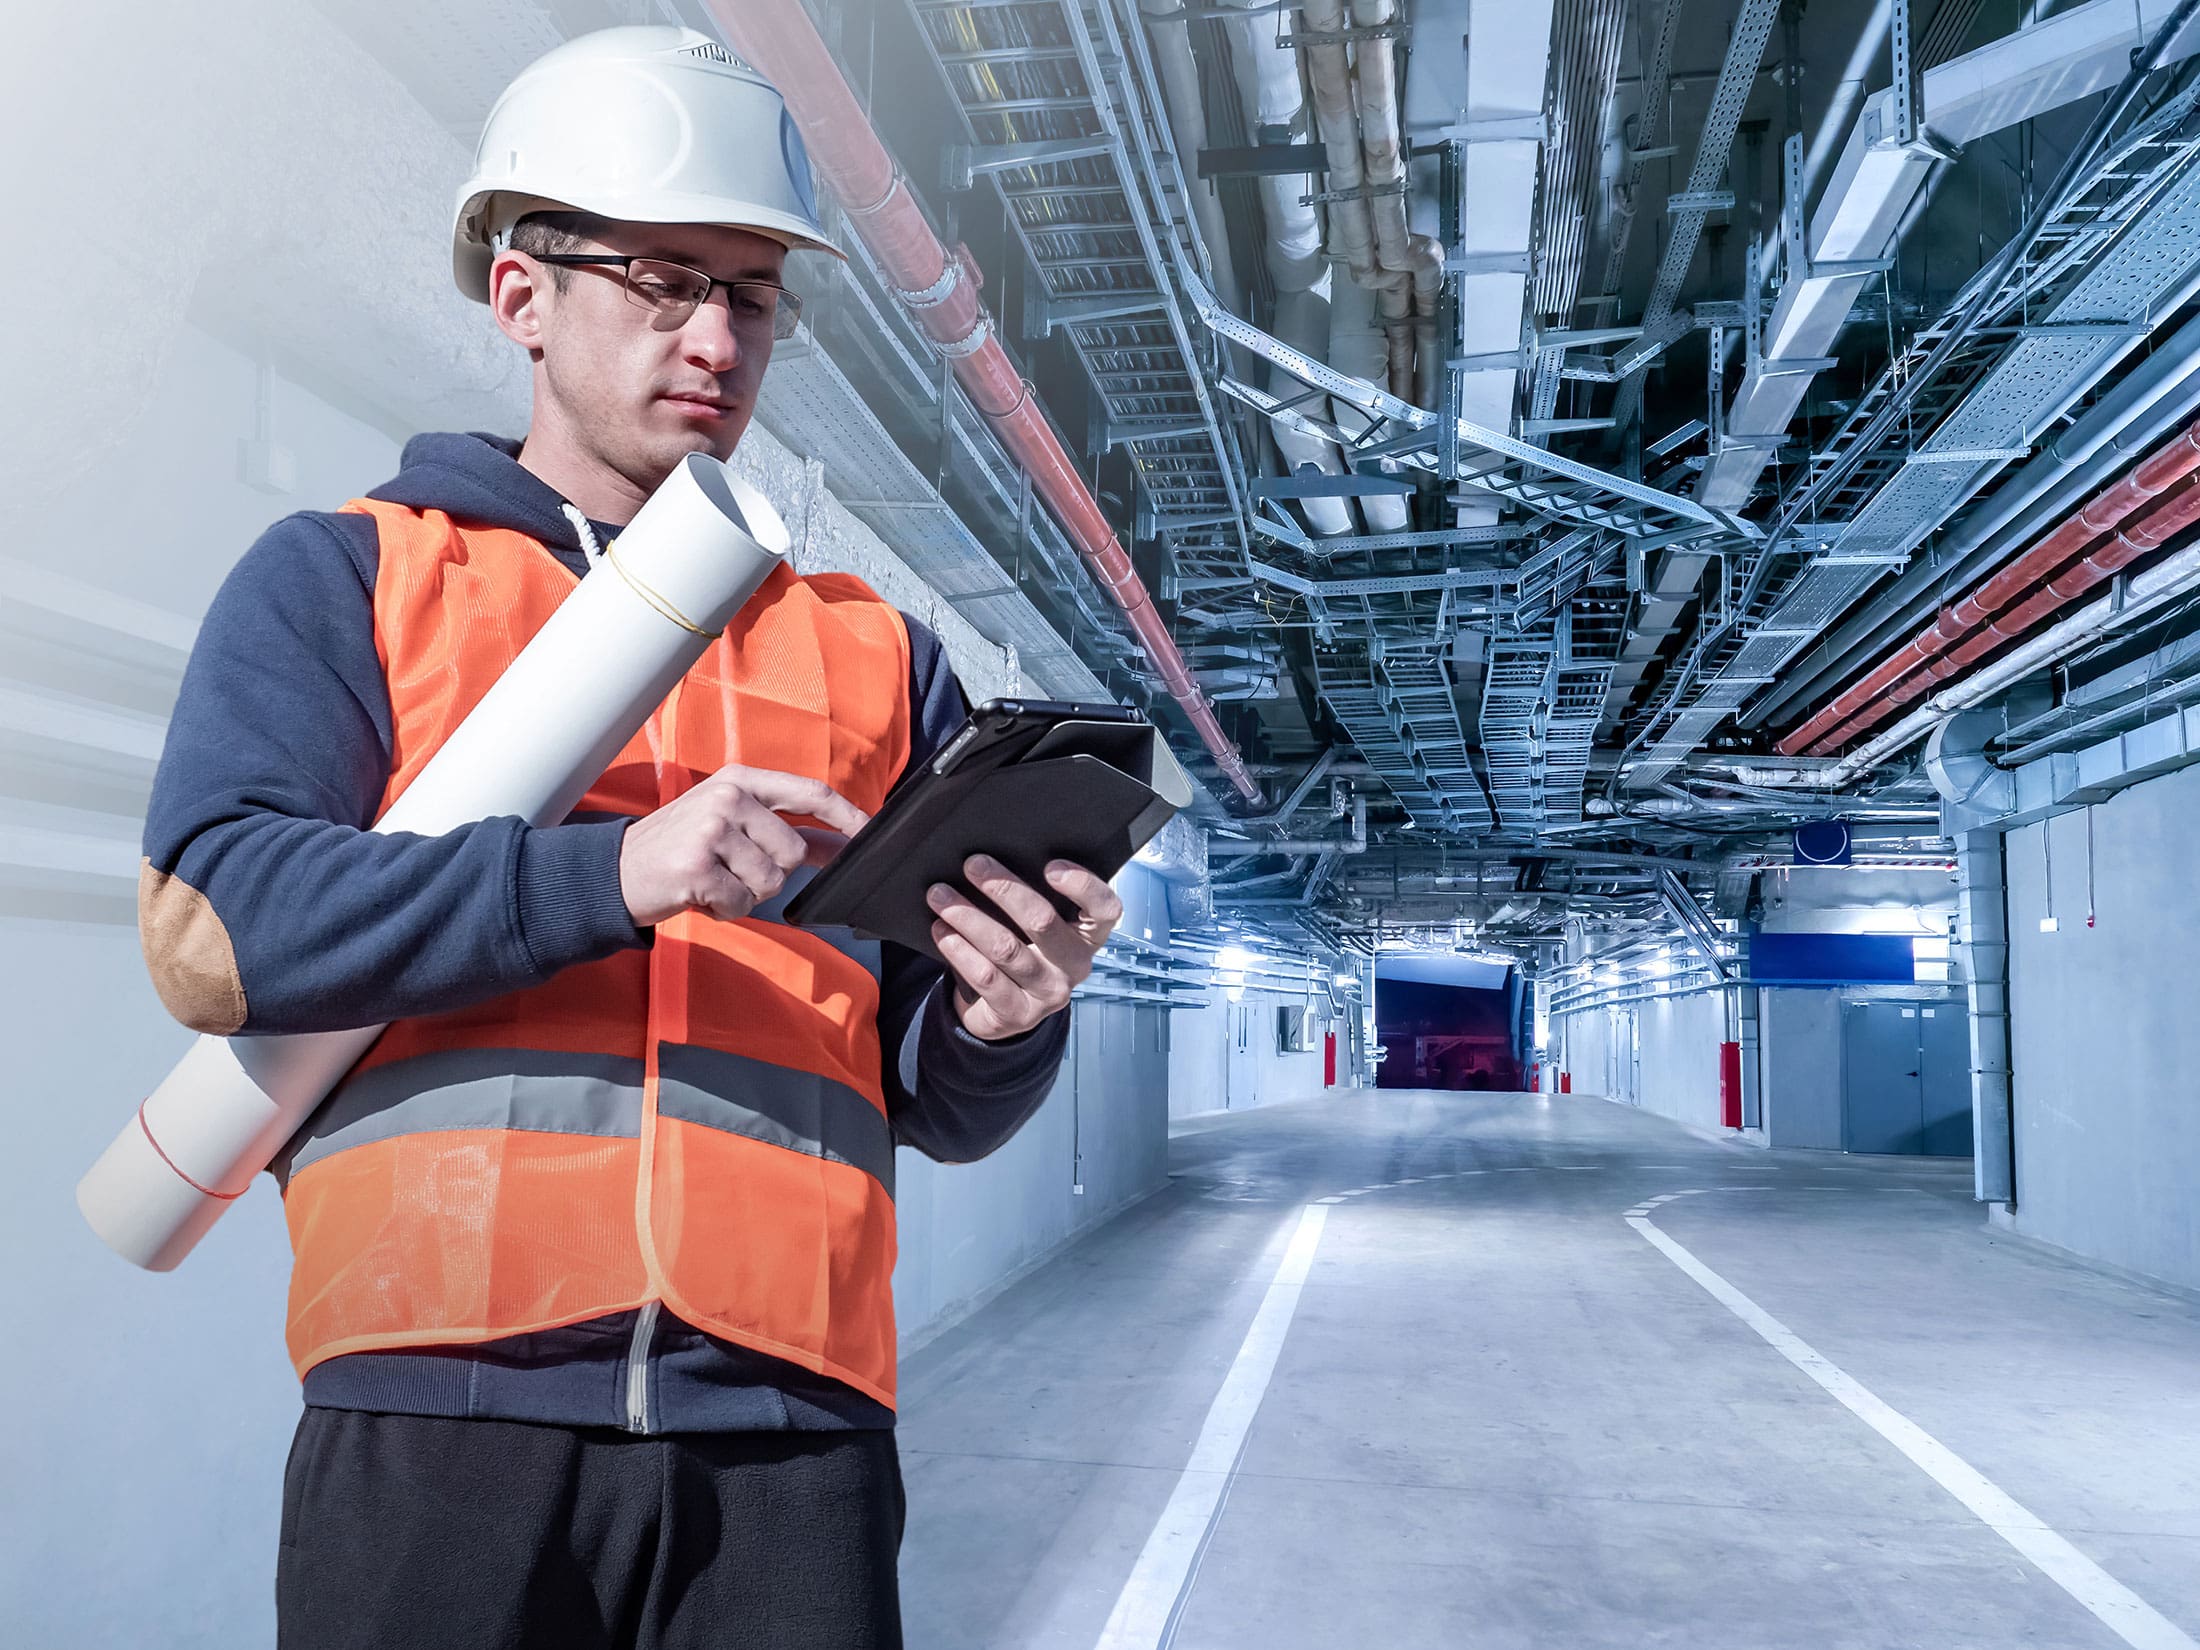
{"x":1882,"y":1087}
{"x":1945,"y":1041}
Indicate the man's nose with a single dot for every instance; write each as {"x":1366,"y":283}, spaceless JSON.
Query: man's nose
{"x":708,"y":338}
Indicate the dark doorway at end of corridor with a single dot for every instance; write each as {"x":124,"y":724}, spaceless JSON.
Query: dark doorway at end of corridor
{"x":1449,"y":1022}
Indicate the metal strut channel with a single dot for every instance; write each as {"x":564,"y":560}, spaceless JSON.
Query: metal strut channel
{"x":1547,"y":483}
{"x":1745,"y":50}
{"x":1702,"y":933}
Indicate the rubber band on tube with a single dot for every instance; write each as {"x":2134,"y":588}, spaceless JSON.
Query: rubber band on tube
{"x":203,"y":1191}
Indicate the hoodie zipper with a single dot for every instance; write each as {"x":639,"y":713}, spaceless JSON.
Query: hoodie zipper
{"x":637,"y":1368}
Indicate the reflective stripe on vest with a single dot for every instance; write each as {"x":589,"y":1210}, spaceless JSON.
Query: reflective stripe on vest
{"x":700,"y":1122}
{"x":555,"y":1092}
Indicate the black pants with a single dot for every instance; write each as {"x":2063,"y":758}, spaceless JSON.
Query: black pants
{"x":404,"y":1530}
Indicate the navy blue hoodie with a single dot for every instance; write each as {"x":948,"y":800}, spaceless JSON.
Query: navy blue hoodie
{"x":266,"y":905}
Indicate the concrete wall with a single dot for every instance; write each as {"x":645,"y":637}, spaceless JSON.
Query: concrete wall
{"x":1678,"y":1075}
{"x":1223,"y":1057}
{"x":1100,"y":1143}
{"x":2104,"y":1038}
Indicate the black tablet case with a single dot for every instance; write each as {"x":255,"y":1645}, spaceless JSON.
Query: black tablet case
{"x":1090,"y":792}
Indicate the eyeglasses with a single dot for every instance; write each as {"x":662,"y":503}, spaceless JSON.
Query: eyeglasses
{"x":672,"y":292}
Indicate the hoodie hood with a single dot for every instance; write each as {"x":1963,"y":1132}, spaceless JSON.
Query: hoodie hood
{"x":477,"y":479}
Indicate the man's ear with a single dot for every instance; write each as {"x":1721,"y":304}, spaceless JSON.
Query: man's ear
{"x":518,"y":290}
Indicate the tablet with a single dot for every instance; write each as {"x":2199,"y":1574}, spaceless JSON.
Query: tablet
{"x":1026,"y":781}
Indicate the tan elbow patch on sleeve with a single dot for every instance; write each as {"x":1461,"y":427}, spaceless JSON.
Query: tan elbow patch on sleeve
{"x":187,"y":947}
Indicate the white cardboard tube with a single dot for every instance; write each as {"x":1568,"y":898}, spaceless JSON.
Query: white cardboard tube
{"x":702,"y":545}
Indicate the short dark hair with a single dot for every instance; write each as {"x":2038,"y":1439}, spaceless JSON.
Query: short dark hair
{"x":555,"y":232}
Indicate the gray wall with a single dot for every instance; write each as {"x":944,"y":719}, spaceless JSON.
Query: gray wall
{"x":967,"y":1229}
{"x":1210,"y":1072}
{"x":1680,"y":1037}
{"x":2105,"y":1040}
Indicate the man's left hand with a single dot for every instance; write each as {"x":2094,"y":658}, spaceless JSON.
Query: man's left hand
{"x":1008,"y":979}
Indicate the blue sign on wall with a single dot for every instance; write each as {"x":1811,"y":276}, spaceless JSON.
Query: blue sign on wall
{"x":1832,"y":959}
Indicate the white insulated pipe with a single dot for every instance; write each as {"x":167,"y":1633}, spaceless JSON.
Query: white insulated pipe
{"x":1302,"y":321}
{"x":1267,"y":74}
{"x":1359,"y":346}
{"x":1409,"y":313}
{"x":1329,"y":73}
{"x":590,"y":679}
{"x":1273,"y":96}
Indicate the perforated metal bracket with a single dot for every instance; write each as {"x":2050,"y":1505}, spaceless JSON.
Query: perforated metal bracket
{"x":964,"y":163}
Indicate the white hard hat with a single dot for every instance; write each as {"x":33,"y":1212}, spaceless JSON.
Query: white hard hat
{"x":646,"y":124}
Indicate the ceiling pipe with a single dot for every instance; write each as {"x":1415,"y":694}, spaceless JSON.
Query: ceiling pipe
{"x":2176,"y":575}
{"x":1307,"y":781}
{"x":1356,"y":843}
{"x":941,"y":295}
{"x":2063,"y":565}
{"x":1329,"y":73}
{"x":1274,"y":99}
{"x":2145,"y":405}
{"x":1409,"y":312}
{"x":1302,"y":321}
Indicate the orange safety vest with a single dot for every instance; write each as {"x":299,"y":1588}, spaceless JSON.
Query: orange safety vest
{"x":700,"y":1123}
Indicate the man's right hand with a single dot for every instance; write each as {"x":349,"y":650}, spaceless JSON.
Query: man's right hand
{"x":722,"y":847}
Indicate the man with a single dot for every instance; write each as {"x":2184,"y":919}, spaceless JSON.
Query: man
{"x":591,"y":1294}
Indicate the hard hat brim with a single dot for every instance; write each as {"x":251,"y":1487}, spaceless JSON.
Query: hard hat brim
{"x":471,"y":256}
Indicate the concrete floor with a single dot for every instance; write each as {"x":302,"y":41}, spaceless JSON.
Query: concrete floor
{"x":1501,"y":1418}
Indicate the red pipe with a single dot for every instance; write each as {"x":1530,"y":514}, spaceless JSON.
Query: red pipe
{"x":940,"y":292}
{"x":2144,"y":533}
{"x":1925,"y":658}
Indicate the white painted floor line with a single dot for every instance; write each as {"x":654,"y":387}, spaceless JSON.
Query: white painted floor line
{"x":1144,"y":1617}
{"x":2126,"y":1614}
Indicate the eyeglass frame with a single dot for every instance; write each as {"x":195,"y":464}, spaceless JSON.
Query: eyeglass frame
{"x":785,"y":303}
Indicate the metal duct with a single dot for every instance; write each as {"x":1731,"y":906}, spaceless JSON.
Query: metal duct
{"x":2014,"y":79}
{"x":778,"y":36}
{"x":1501,"y":139}
{"x":1848,"y":92}
{"x":1982,"y":921}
